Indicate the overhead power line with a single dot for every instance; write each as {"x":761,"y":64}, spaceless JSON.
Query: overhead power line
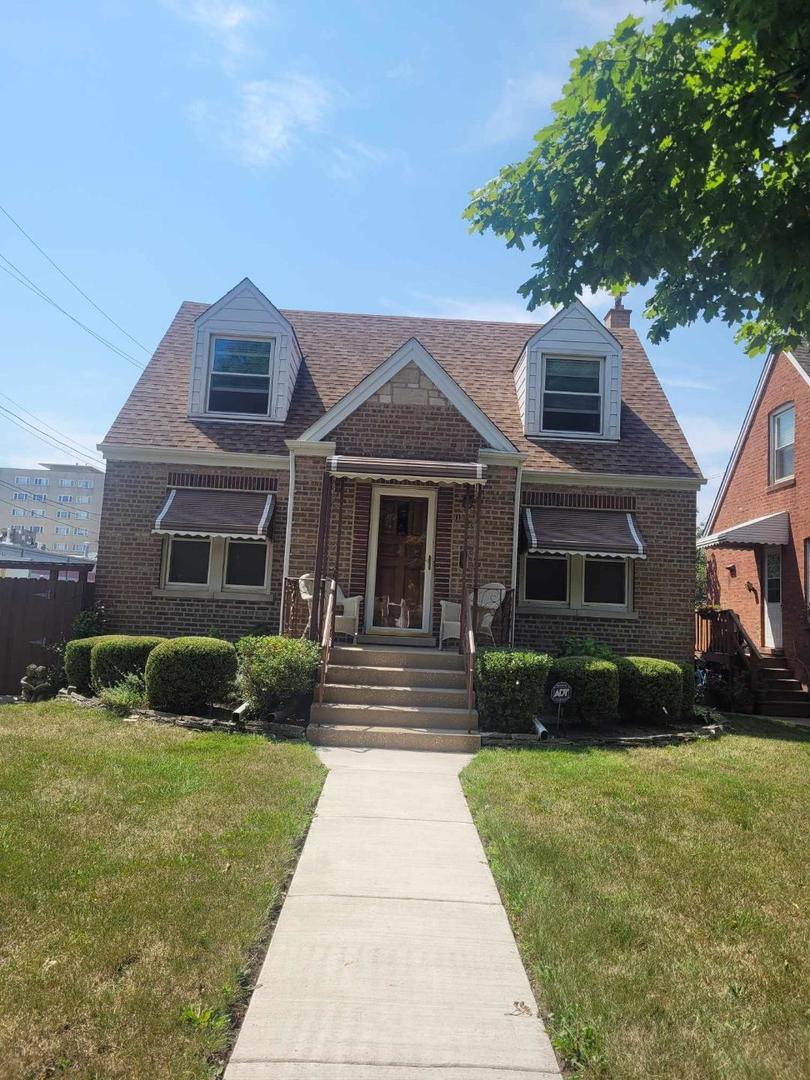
{"x":53,"y":443}
{"x":43,"y":517}
{"x":72,"y":507}
{"x":22,"y":279}
{"x":70,"y":280}
{"x":78,"y":446}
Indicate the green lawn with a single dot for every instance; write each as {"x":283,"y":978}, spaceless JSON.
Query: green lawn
{"x":660,"y":900}
{"x":139,"y":865}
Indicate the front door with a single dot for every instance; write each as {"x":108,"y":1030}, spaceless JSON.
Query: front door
{"x":400,"y":568}
{"x":772,"y":587}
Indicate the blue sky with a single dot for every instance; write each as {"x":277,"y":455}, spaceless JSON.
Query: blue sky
{"x":161,"y":150}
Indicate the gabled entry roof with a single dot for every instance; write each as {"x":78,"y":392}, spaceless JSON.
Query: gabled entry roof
{"x":412,"y":352}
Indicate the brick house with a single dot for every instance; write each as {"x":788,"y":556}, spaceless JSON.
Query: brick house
{"x":757,"y":536}
{"x":410,"y":460}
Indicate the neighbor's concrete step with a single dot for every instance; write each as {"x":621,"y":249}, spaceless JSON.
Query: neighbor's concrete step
{"x":774,"y":663}
{"x":780,"y":682}
{"x":784,"y":708}
{"x":783,"y":693}
{"x":394,"y":716}
{"x":379,"y":656}
{"x":396,"y":676}
{"x":419,"y":696}
{"x":394,"y":738}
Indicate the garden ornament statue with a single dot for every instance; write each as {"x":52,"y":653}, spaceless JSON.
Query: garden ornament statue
{"x":34,"y":684}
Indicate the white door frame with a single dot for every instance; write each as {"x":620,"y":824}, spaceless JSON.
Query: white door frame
{"x":772,"y":611}
{"x":377,"y":491}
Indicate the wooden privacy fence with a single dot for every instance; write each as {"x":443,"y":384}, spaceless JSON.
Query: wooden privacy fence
{"x":35,"y":613}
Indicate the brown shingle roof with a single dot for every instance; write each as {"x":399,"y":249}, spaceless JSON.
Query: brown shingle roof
{"x":340,"y":349}
{"x":802,"y":356}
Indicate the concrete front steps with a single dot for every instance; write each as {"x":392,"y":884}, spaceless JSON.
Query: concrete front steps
{"x":779,"y":693}
{"x":395,"y":697}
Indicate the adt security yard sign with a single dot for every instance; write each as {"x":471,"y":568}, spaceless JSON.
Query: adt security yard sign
{"x":561,"y":693}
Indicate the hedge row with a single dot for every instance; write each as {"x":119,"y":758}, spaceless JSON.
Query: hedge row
{"x":513,"y":687}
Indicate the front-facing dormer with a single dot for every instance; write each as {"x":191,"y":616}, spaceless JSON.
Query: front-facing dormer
{"x":245,"y":359}
{"x":568,"y":378}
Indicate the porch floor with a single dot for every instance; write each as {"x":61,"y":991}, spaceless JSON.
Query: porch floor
{"x":393,"y":955}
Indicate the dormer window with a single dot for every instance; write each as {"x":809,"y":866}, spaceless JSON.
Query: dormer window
{"x":241,"y":376}
{"x":572,"y":395}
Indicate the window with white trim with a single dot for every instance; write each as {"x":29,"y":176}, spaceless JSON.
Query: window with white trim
{"x":241,"y":376}
{"x":581,"y":583}
{"x":81,"y":532}
{"x":572,"y":395}
{"x":41,"y":481}
{"x":62,"y":530}
{"x":17,"y":511}
{"x":38,"y":498}
{"x":37,"y":513}
{"x":66,"y":483}
{"x":782,"y":443}
{"x":81,"y":515}
{"x":63,"y":514}
{"x":84,"y":483}
{"x":83,"y":499}
{"x":60,"y":547}
{"x":22,"y":480}
{"x":20,"y":496}
{"x":217,"y":565}
{"x":64,"y":498}
{"x":36,"y":529}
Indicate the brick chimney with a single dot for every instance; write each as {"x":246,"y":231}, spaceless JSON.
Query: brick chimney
{"x":618,"y":317}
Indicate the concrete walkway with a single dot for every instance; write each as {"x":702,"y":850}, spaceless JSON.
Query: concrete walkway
{"x":392,"y":958}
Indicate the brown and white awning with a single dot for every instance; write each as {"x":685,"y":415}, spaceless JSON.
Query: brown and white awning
{"x":770,"y":529}
{"x":551,"y":530}
{"x":432,"y":472}
{"x":240,"y":515}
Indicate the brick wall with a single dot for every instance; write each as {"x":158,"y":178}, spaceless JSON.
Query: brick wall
{"x":750,"y":495}
{"x":129,"y":560}
{"x":664,"y":586}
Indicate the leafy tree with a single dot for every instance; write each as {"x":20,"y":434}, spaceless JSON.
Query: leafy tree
{"x":679,"y":155}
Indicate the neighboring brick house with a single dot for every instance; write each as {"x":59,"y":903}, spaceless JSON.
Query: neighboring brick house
{"x":410,"y":458}
{"x":757,"y":538}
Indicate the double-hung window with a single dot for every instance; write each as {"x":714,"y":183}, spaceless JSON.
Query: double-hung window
{"x":20,"y":496}
{"x":782,"y":441}
{"x":241,"y":376}
{"x":572,"y":395}
{"x":217,"y":564}
{"x":64,"y":498}
{"x":577,"y":582}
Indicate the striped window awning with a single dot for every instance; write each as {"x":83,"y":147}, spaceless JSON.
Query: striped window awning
{"x":771,"y":529}
{"x":550,"y":530}
{"x":433,"y":472}
{"x":239,"y":515}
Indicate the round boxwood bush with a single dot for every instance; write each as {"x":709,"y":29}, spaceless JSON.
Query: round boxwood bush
{"x":274,"y":671}
{"x":186,"y":674}
{"x":594,"y":688}
{"x":117,"y":655}
{"x":509,"y":688}
{"x":649,"y":690}
{"x":689,"y":688}
{"x":77,"y":662}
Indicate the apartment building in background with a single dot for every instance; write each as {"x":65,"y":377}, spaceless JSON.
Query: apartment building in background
{"x":56,"y":505}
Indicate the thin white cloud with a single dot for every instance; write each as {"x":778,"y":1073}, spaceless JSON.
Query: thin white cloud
{"x":268,"y":118}
{"x":602,"y":15}
{"x":523,"y":107}
{"x":681,"y":382}
{"x":350,"y":159}
{"x":228,"y":22}
{"x":491,"y":309}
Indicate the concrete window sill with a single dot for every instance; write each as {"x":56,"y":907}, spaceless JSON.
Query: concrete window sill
{"x":781,"y":485}
{"x":209,"y":594}
{"x":580,"y":612}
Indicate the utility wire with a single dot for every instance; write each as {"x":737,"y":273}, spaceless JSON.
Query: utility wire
{"x":43,"y":517}
{"x":56,"y":431}
{"x":50,"y":442}
{"x":36,"y":505}
{"x":79,"y":290}
{"x":9,"y":413}
{"x":23,"y":279}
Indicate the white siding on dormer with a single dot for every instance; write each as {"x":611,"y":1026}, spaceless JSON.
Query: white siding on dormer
{"x":246,"y":312}
{"x":573,"y":332}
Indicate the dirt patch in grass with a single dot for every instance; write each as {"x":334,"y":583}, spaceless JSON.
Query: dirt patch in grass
{"x":660,"y":900}
{"x":138,"y":868}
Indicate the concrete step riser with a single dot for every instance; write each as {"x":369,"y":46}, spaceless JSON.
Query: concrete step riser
{"x":784,"y":694}
{"x":774,"y":664}
{"x":393,"y":739}
{"x":381,"y":716}
{"x":784,"y":708}
{"x":350,"y":674}
{"x":366,"y":656}
{"x":422,"y":697}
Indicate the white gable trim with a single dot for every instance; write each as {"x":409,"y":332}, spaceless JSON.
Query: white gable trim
{"x":744,"y":430}
{"x":412,"y":352}
{"x":575,"y":307}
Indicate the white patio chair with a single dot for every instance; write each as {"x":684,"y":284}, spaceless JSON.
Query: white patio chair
{"x":490,"y":598}
{"x":347,"y":609}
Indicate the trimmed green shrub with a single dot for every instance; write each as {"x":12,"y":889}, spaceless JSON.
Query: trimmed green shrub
{"x":186,"y":674}
{"x":118,"y":655}
{"x":689,"y":689}
{"x":273,"y":670}
{"x":77,"y":662}
{"x":585,"y":646}
{"x":594,"y":688}
{"x":509,"y":688}
{"x":649,"y":689}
